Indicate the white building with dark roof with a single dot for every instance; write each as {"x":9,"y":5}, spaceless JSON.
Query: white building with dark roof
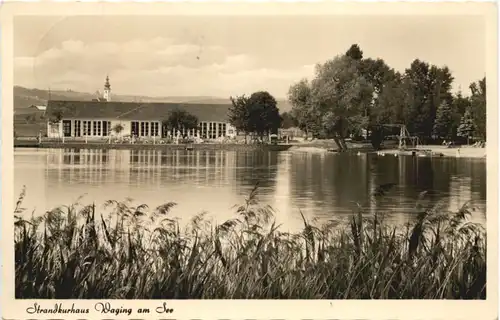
{"x":98,"y":118}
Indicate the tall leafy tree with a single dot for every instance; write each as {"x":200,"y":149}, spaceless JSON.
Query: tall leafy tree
{"x":377,"y":73}
{"x":390,"y":104}
{"x":263,"y":113}
{"x":354,"y":52}
{"x":427,"y":87}
{"x":417,"y":114}
{"x":385,"y":106}
{"x":478,"y":106}
{"x":238,"y":114}
{"x":303,"y":110}
{"x":288,"y":120}
{"x":342,"y":95}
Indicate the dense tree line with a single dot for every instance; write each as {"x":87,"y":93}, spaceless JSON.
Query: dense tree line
{"x":349,"y":93}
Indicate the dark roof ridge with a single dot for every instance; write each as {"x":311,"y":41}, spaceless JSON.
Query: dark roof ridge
{"x":136,"y":110}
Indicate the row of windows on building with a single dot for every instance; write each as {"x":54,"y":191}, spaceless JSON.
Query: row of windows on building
{"x":86,"y":128}
{"x":210,"y":130}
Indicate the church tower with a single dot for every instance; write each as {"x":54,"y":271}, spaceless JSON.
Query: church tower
{"x":107,"y":90}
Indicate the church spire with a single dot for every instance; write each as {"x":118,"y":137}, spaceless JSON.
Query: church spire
{"x":107,"y":90}
{"x":107,"y":85}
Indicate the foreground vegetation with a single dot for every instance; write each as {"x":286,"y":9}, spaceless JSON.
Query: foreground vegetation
{"x":128,"y":252}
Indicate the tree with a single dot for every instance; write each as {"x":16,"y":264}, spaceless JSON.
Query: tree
{"x":386,"y":99}
{"x":303,"y":110}
{"x":478,"y":106}
{"x":263,"y":113}
{"x":459,"y":105}
{"x":443,"y":126}
{"x":180,"y":119}
{"x":238,"y":114}
{"x":354,"y":52}
{"x":389,"y":106}
{"x":426,"y":87}
{"x":466,"y":128}
{"x":342,"y":95}
{"x":288,"y":120}
{"x":377,"y":73}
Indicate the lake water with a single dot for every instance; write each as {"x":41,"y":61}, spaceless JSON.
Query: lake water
{"x":321,"y":185}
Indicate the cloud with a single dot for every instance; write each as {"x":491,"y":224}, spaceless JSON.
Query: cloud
{"x":157,"y":66}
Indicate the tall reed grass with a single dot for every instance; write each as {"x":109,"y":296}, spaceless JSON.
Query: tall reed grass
{"x":127,"y":252}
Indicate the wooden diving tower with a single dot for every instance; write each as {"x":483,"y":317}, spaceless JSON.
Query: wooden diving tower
{"x":404,"y":136}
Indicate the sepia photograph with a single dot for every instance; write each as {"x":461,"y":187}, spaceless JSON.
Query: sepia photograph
{"x":250,"y":156}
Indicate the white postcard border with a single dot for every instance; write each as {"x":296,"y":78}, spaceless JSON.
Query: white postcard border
{"x":253,"y":309}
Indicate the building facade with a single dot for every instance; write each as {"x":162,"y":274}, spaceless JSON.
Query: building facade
{"x":104,"y":118}
{"x":99,"y":128}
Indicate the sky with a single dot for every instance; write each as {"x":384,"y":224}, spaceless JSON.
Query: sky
{"x":224,"y":56}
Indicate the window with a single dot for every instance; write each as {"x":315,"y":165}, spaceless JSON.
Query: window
{"x":67,"y":128}
{"x":154,"y":128}
{"x":144,"y":129}
{"x":135,"y":128}
{"x":96,"y":128}
{"x":106,"y":127}
{"x":87,"y":128}
{"x":212,"y":130}
{"x":205,"y":130}
{"x":222,"y":130}
{"x":77,"y":128}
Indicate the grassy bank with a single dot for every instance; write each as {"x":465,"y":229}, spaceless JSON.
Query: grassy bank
{"x":136,"y":252}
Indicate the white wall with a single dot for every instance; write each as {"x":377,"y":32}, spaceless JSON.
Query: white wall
{"x":54,"y":130}
{"x":230,"y":131}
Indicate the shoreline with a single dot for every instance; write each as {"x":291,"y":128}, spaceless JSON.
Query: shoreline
{"x":141,"y":146}
{"x":440,"y":151}
{"x":311,"y":147}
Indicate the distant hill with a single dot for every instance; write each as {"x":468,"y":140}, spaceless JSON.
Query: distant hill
{"x":25,"y":97}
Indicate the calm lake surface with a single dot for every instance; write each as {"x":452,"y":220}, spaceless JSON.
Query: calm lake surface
{"x":321,"y":185}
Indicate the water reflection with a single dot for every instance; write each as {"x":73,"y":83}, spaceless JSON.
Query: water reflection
{"x":320,"y":185}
